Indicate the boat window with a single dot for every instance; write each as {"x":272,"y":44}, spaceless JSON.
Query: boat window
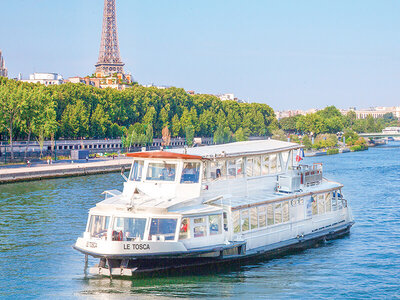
{"x":235,"y":168}
{"x":321,"y":204}
{"x":272,"y":163}
{"x":285,"y":211}
{"x":162,"y":228}
{"x":328,"y":202}
{"x":285,"y":158}
{"x":244,"y":218}
{"x":265,"y":165}
{"x":137,"y":170}
{"x":128,"y":228}
{"x":253,"y":218}
{"x":257,"y":166}
{"x":236,"y":221}
{"x":262,"y":210}
{"x":314,"y":204}
{"x":161,"y":172}
{"x":218,"y":169}
{"x":334,"y":201}
{"x":185,"y":229}
{"x":278,"y":213}
{"x":249,"y":167}
{"x":225,"y":221}
{"x":199,"y":227}
{"x":98,"y":226}
{"x":190,"y":173}
{"x":270,"y":214}
{"x":215,"y":224}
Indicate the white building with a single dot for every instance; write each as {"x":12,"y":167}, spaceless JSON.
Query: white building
{"x":227,"y":96}
{"x":3,"y":69}
{"x":45,"y":78}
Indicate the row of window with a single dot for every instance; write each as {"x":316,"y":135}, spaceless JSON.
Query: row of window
{"x":277,"y":213}
{"x":127,"y":229}
{"x":249,"y":167}
{"x":165,"y":172}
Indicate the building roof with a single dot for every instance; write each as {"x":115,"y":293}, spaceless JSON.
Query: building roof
{"x":163,"y":155}
{"x":239,"y":148}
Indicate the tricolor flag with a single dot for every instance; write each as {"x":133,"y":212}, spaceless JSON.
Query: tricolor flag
{"x":300,"y":155}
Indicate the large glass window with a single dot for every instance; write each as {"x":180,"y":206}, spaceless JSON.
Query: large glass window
{"x":215,"y":224}
{"x":262,"y":210}
{"x":321,"y":204}
{"x":249,"y":167}
{"x":270,"y":214}
{"x":314,"y":204}
{"x":257,"y":166}
{"x":200,"y":227}
{"x":265,"y":165}
{"x":137,"y":170}
{"x":245,"y":220}
{"x":98,"y":226}
{"x":236,"y":221}
{"x":328,"y":202}
{"x":278,"y":213}
{"x":239,"y":167}
{"x":334,"y":201}
{"x":285,"y":211}
{"x":253,"y":218}
{"x":272,"y":163}
{"x":164,"y":228}
{"x":161,"y":172}
{"x":128,"y":228}
{"x":218,"y":169}
{"x":185,"y":229}
{"x":190,"y":173}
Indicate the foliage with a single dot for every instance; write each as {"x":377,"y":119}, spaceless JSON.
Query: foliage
{"x":279,"y":134}
{"x":306,"y":142}
{"x":325,"y":141}
{"x":358,"y":148}
{"x":288,"y":124}
{"x":189,"y":134}
{"x":80,"y":111}
{"x":332,"y":151}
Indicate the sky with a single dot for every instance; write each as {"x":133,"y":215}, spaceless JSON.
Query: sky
{"x":287,"y":54}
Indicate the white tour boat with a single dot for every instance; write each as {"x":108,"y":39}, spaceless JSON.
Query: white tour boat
{"x":212,"y":205}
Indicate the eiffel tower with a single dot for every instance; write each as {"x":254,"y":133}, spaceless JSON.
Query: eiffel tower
{"x":109,"y":58}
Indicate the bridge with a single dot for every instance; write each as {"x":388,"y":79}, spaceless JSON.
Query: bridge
{"x":378,"y":135}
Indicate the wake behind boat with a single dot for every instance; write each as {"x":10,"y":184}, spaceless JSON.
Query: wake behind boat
{"x":212,"y":205}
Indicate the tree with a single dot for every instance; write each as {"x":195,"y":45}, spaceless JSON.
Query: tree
{"x":189,"y":134}
{"x":306,"y":142}
{"x":149,"y":134}
{"x":10,"y":107}
{"x":219,"y":135}
{"x":166,"y":136}
{"x":288,"y":124}
{"x":240,"y":135}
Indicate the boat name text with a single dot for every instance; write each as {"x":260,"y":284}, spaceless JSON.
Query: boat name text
{"x":136,"y":247}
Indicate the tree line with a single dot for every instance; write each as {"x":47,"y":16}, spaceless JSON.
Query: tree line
{"x":74,"y":111}
{"x":331,"y":120}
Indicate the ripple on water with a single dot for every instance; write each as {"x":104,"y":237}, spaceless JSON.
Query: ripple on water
{"x":39,"y":221}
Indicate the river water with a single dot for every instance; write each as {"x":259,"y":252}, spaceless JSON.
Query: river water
{"x":39,"y":222}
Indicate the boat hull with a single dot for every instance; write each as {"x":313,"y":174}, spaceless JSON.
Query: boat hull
{"x":211,"y":261}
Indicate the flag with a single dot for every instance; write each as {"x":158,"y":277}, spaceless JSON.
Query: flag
{"x":300,"y":155}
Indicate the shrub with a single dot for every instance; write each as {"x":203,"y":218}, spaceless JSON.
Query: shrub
{"x":358,"y":148}
{"x":332,"y":151}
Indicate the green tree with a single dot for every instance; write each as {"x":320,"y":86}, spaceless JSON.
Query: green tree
{"x":189,"y":134}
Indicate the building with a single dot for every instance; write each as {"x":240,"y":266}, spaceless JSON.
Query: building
{"x":3,"y":69}
{"x":378,"y":112}
{"x":230,"y":97}
{"x":292,"y":113}
{"x":95,"y":82}
{"x":45,"y":79}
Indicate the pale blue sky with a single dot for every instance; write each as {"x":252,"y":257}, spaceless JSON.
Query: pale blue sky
{"x":288,"y":54}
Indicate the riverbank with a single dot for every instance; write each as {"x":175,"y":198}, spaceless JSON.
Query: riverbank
{"x":10,"y":175}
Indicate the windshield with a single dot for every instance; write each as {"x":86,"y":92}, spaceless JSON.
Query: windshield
{"x":137,"y":170}
{"x":128,"y":229}
{"x":162,"y":227}
{"x":190,"y":173}
{"x":161,"y":172}
{"x":98,"y":226}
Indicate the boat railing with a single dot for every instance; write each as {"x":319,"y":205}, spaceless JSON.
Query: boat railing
{"x":310,"y":174}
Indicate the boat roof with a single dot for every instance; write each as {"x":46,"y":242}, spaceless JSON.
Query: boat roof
{"x":162,"y":155}
{"x":239,"y":148}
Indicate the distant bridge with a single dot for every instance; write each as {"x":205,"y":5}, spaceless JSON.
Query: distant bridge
{"x":378,"y":135}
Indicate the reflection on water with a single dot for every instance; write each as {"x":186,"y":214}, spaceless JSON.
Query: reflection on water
{"x":40,"y":221}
